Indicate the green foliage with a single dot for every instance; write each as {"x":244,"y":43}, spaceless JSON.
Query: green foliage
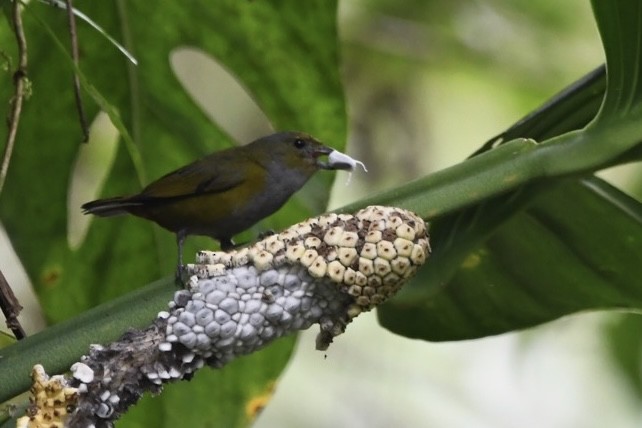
{"x":623,"y":334}
{"x":551,"y":259}
{"x":552,"y":245}
{"x":267,"y":47}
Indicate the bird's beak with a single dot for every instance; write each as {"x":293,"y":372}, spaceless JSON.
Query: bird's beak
{"x":320,"y":153}
{"x":336,"y":160}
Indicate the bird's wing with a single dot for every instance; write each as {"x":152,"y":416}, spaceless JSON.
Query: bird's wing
{"x":200,"y":177}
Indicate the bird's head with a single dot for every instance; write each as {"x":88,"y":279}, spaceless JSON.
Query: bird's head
{"x":295,"y":151}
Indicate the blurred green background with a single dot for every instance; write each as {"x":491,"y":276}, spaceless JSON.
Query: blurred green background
{"x":412,"y":71}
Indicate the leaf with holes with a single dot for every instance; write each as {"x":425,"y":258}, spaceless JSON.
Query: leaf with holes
{"x":290,"y":71}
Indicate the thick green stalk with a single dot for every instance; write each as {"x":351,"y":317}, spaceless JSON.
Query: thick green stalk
{"x":59,"y":346}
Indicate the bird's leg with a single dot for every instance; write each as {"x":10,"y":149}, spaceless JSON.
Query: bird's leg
{"x":180,"y":239}
{"x":227,"y":244}
{"x":265,"y":234}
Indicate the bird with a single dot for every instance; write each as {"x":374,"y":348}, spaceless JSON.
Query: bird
{"x":226,"y":192}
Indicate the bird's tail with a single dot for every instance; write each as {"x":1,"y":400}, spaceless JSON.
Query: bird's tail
{"x":110,"y":206}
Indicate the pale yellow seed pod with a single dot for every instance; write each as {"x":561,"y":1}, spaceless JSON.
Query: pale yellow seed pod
{"x":302,"y":229}
{"x":327,"y":219}
{"x":318,"y":268}
{"x":418,"y":255}
{"x":263,"y":260}
{"x":224,"y":258}
{"x":308,"y":257}
{"x":349,"y":239}
{"x":240,"y":257}
{"x":400,"y":265}
{"x":312,"y":242}
{"x":377,"y":299}
{"x":386,"y":250}
{"x":333,"y":236}
{"x":381,"y":266}
{"x":378,"y":225}
{"x":394,"y":222}
{"x":349,"y":277}
{"x":336,"y":271}
{"x":360,"y":279}
{"x":374,"y":236}
{"x":288,"y":235}
{"x":216,"y":269}
{"x":369,"y":251}
{"x":406,"y":232}
{"x":273,"y":244}
{"x":366,"y":267}
{"x":403,"y":247}
{"x":347,"y":256}
{"x":295,"y":252}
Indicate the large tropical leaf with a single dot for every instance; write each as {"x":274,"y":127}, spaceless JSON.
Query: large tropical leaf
{"x":499,"y":257}
{"x":481,"y":281}
{"x":541,"y":264}
{"x":291,"y":72}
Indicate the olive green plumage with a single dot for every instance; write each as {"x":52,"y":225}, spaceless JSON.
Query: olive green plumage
{"x":226,"y":192}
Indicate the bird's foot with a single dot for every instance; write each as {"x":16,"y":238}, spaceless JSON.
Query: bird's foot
{"x":227,"y":245}
{"x":179,"y":280}
{"x":265,"y":234}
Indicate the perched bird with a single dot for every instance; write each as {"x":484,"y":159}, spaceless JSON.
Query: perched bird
{"x":226,"y":192}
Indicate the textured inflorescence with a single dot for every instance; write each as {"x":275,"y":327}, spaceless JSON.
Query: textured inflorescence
{"x":325,"y":270}
{"x":50,"y":398}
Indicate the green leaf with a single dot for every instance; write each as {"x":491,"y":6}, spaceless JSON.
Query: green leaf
{"x":60,"y":345}
{"x":169,"y":129}
{"x":455,"y":237}
{"x":285,"y":54}
{"x":449,"y":300}
{"x":529,"y":242}
{"x":616,"y":128}
{"x":619,"y":23}
{"x":232,"y":396}
{"x":625,"y":347}
{"x":570,"y":109}
{"x":541,"y":265}
{"x":239,"y":389}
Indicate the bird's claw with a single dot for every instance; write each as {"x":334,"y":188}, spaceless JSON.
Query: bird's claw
{"x":265,"y":234}
{"x":178,"y":276}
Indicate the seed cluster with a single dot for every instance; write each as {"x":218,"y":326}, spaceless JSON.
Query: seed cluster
{"x":50,"y":396}
{"x":369,"y":255}
{"x":242,"y":309}
{"x":324,"y":270}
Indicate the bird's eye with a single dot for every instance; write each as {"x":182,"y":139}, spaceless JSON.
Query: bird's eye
{"x":299,"y":143}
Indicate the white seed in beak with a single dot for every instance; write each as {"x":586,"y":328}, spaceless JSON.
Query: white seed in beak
{"x":342,"y":161}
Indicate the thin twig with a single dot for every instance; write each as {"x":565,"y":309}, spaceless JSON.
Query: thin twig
{"x":61,"y":4}
{"x":74,"y":55}
{"x":10,"y":308}
{"x":20,"y":82}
